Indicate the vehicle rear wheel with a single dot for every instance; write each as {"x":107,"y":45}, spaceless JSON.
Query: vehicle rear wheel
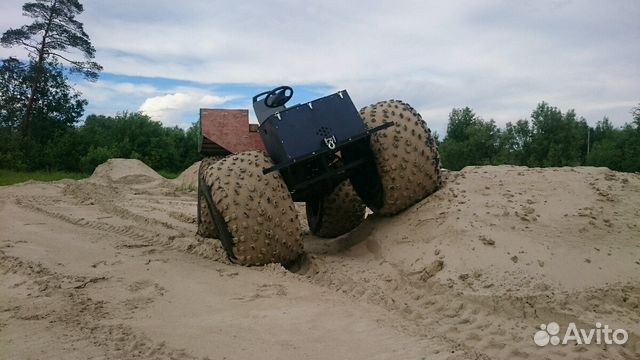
{"x":253,"y":212}
{"x":406,"y":155}
{"x":337,"y":213}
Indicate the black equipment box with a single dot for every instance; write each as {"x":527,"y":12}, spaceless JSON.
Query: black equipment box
{"x":306,"y":129}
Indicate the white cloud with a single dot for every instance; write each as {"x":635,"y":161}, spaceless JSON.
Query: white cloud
{"x":174,"y":109}
{"x":173,"y":106}
{"x":104,"y":90}
{"x":499,"y":57}
{"x":111,"y":97}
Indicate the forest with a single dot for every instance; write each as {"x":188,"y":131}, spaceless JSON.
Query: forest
{"x":547,"y":138}
{"x":59,"y":139}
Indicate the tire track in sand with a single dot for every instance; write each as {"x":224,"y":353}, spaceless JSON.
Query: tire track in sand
{"x":207,"y":248}
{"x":80,"y":317}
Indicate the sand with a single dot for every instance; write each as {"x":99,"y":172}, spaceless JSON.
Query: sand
{"x":188,"y":179}
{"x":110,"y":267}
{"x":124,"y":171}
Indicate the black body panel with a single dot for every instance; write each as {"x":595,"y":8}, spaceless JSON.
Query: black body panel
{"x":301,"y":130}
{"x":317,"y":145}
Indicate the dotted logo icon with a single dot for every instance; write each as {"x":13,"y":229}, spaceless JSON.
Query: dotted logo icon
{"x":324,"y":131}
{"x":547,"y":334}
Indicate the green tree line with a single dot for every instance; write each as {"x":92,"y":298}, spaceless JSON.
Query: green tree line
{"x":40,"y":112}
{"x":548,"y":138}
{"x":56,"y":139}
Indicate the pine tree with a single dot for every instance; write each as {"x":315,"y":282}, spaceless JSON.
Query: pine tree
{"x":53,"y":33}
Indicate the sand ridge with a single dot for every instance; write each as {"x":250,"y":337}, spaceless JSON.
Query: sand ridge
{"x":111,"y":267}
{"x":188,"y":179}
{"x":124,"y":171}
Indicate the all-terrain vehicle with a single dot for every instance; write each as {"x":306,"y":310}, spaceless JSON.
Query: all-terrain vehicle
{"x":324,"y":153}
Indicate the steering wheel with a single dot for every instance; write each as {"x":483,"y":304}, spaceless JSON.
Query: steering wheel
{"x":278,"y":96}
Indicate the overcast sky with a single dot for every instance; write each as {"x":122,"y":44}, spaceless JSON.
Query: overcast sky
{"x":170,"y":58}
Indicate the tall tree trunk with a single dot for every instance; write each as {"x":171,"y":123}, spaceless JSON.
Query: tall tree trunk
{"x":34,"y":89}
{"x":39,"y":67}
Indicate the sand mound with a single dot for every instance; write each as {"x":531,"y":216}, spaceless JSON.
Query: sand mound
{"x":188,"y":179}
{"x":124,"y":171}
{"x":470,"y":272}
{"x":525,"y":246}
{"x":508,"y":228}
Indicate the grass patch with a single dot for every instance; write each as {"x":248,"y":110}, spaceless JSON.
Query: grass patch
{"x":168,"y":174}
{"x":9,"y":177}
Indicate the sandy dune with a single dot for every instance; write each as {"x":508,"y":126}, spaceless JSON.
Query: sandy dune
{"x":111,"y":267}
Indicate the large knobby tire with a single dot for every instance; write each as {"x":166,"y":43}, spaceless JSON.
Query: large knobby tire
{"x":206,"y":227}
{"x":337,"y":213}
{"x":254,"y":213}
{"x":406,"y":155}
